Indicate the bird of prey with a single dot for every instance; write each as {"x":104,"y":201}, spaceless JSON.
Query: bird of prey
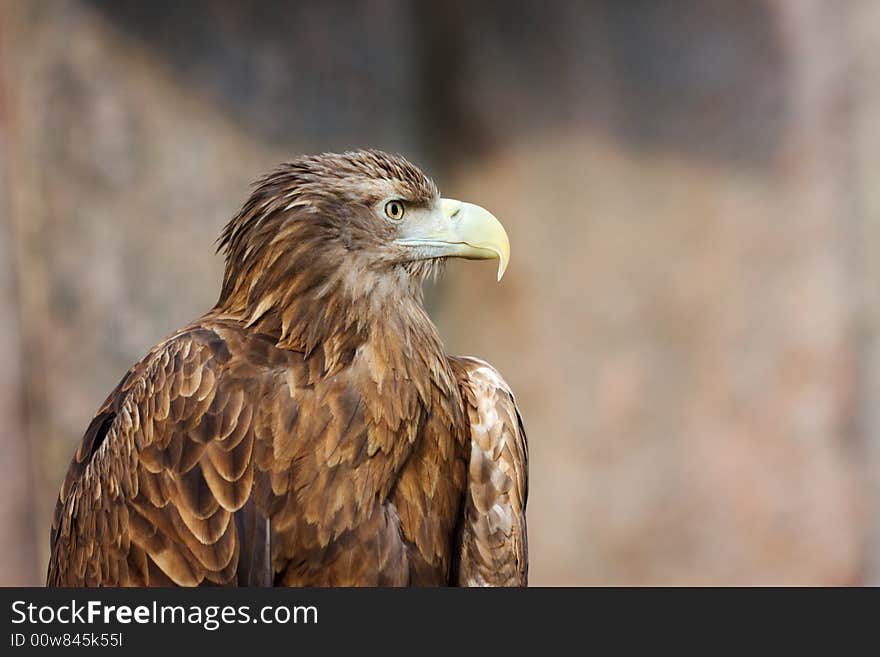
{"x":309,"y":430}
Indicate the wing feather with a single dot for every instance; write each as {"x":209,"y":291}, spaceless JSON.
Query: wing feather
{"x":493,"y":542}
{"x":216,"y":460}
{"x":150,"y":496}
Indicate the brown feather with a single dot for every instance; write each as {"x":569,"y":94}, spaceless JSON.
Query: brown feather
{"x":493,"y":543}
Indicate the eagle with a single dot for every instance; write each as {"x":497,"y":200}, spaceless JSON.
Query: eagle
{"x":309,"y":429}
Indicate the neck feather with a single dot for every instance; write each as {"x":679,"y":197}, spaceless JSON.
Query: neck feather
{"x":332,"y":312}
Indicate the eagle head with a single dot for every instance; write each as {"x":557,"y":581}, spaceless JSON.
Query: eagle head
{"x":357,"y":230}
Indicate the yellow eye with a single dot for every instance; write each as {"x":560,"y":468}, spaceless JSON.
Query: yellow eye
{"x":394,"y":210}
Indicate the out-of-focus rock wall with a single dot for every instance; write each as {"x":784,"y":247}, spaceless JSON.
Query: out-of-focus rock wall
{"x":863,"y":95}
{"x":682,"y":322}
{"x":690,"y":318}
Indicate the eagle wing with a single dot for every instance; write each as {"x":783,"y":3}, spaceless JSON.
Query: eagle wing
{"x":162,"y":477}
{"x":493,"y":543}
{"x":221,"y":459}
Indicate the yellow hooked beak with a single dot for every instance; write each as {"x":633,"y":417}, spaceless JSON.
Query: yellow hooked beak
{"x":458,"y":230}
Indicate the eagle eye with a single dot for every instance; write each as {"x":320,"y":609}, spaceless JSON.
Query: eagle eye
{"x":394,"y":210}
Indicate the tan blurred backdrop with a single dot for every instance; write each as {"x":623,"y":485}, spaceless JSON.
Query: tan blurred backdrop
{"x":692,"y":192}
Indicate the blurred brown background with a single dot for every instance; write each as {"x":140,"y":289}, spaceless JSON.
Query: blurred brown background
{"x":691,"y":319}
